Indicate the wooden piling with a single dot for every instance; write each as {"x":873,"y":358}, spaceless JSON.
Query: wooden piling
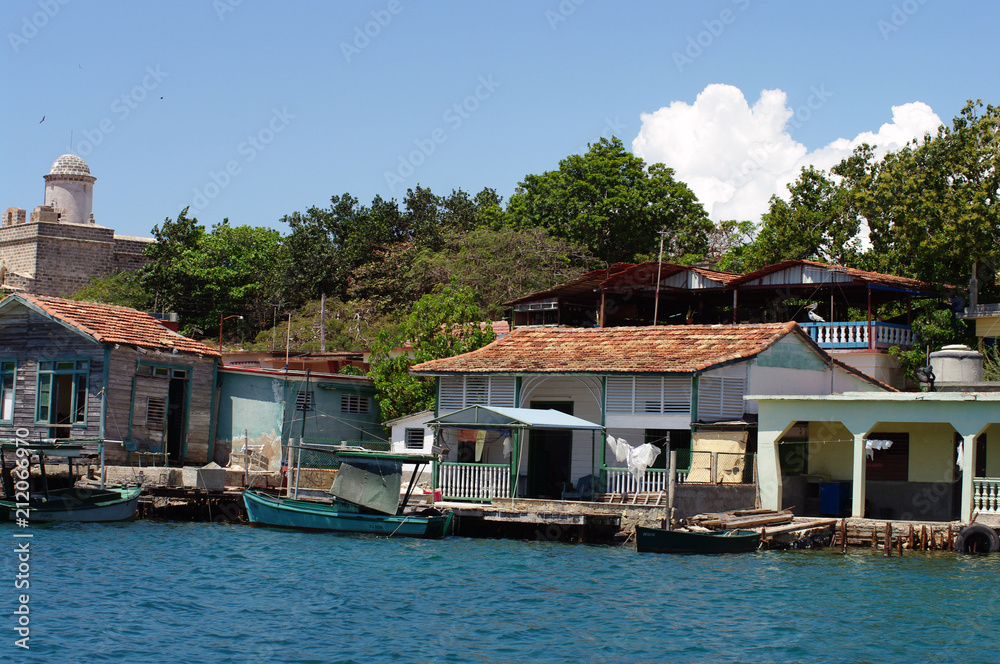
{"x":923,"y":537}
{"x":900,"y":541}
{"x":951,"y":542}
{"x":843,"y":536}
{"x":911,"y":537}
{"x":888,"y":540}
{"x":874,"y":536}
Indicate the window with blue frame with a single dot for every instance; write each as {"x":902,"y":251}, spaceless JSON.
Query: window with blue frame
{"x":8,"y":372}
{"x":62,"y":392}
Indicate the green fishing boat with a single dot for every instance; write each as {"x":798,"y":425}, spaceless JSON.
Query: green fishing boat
{"x":660,"y":540}
{"x":85,"y":504}
{"x":364,"y":498}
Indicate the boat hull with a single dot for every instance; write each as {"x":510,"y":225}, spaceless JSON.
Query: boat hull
{"x":659,"y":540}
{"x":76,"y":504}
{"x":264,"y":509}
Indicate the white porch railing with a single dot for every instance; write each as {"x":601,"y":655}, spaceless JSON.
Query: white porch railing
{"x":473,"y":481}
{"x":619,"y":480}
{"x":986,"y":495}
{"x":855,"y":334}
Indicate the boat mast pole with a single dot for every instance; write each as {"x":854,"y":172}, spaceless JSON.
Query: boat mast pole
{"x":45,"y":479}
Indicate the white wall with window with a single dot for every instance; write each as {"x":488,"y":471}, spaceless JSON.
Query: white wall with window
{"x":410,"y":433}
{"x":721,"y":392}
{"x":457,"y":392}
{"x":653,"y":402}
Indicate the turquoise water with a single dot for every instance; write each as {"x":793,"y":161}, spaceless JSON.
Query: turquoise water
{"x":156,"y":592}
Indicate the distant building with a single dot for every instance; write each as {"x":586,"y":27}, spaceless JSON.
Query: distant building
{"x":60,"y":247}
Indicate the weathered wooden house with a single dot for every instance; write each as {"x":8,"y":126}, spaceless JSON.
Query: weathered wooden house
{"x":83,"y":370}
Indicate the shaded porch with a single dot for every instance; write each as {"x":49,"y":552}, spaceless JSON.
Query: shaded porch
{"x":494,"y":452}
{"x":924,"y":456}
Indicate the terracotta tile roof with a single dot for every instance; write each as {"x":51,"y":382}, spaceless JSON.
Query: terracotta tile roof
{"x":583,"y":286}
{"x":854,"y":273}
{"x":110,"y":324}
{"x":662,"y":349}
{"x":643,"y":275}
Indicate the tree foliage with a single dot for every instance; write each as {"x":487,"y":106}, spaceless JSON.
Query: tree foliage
{"x":442,"y":324}
{"x":122,"y":288}
{"x":931,"y":207}
{"x":200,"y":275}
{"x":609,"y":202}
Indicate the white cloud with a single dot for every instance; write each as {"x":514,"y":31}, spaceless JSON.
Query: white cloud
{"x":735,"y":157}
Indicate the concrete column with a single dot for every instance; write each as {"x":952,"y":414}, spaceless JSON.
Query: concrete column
{"x":968,"y":472}
{"x":768,"y":470}
{"x":860,"y":468}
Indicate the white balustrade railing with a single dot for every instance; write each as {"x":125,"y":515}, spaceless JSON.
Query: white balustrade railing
{"x":619,"y":480}
{"x":855,"y":334}
{"x":473,"y":481}
{"x":986,"y":495}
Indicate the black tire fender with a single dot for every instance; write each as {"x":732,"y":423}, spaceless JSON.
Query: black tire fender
{"x":977,"y":538}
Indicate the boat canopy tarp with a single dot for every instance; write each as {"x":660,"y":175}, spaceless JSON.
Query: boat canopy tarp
{"x":481,"y":417}
{"x":371,"y":482}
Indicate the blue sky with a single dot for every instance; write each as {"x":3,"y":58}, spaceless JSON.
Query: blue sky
{"x":251,"y":110}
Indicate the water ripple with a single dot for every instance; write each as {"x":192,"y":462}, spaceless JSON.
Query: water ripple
{"x":153,"y":592}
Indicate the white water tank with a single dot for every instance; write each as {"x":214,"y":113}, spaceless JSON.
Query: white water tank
{"x":957,"y":364}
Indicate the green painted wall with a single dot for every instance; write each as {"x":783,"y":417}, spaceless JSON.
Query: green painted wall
{"x":791,"y":353}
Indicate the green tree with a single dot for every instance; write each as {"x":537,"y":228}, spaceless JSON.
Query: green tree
{"x":497,"y":265}
{"x":931,"y":207}
{"x":817,"y":222}
{"x":232,"y":270}
{"x":121,"y":288}
{"x":441,"y":324}
{"x":326,"y":244}
{"x":609,"y":201}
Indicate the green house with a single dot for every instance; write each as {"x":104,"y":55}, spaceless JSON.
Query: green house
{"x":263,"y":409}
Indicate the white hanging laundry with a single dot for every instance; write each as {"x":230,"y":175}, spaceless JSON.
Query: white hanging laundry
{"x":619,"y":447}
{"x":507,"y":447}
{"x":641,"y":458}
{"x":961,"y":456}
{"x":873,"y":444}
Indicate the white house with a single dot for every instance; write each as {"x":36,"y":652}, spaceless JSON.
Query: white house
{"x":678,"y":387}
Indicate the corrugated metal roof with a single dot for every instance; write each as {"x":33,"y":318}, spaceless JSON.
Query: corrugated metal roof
{"x":495,"y":416}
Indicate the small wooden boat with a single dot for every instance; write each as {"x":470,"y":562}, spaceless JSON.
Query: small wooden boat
{"x":660,"y":540}
{"x":264,"y":509}
{"x":365,"y":498}
{"x":84,"y":504}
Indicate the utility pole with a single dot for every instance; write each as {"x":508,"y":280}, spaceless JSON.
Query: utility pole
{"x":659,"y":266}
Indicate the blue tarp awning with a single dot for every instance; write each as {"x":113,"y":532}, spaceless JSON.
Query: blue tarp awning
{"x":481,"y":417}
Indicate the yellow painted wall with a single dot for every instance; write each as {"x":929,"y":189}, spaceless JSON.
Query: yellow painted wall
{"x":931,"y":450}
{"x":993,"y":451}
{"x":830,"y":450}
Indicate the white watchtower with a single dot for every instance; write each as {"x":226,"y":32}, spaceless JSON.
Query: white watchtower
{"x":69,"y":190}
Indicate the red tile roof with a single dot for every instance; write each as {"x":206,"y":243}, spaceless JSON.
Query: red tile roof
{"x":854,"y":273}
{"x":109,"y":324}
{"x":585,"y":285}
{"x":662,"y":349}
{"x":644,"y":275}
